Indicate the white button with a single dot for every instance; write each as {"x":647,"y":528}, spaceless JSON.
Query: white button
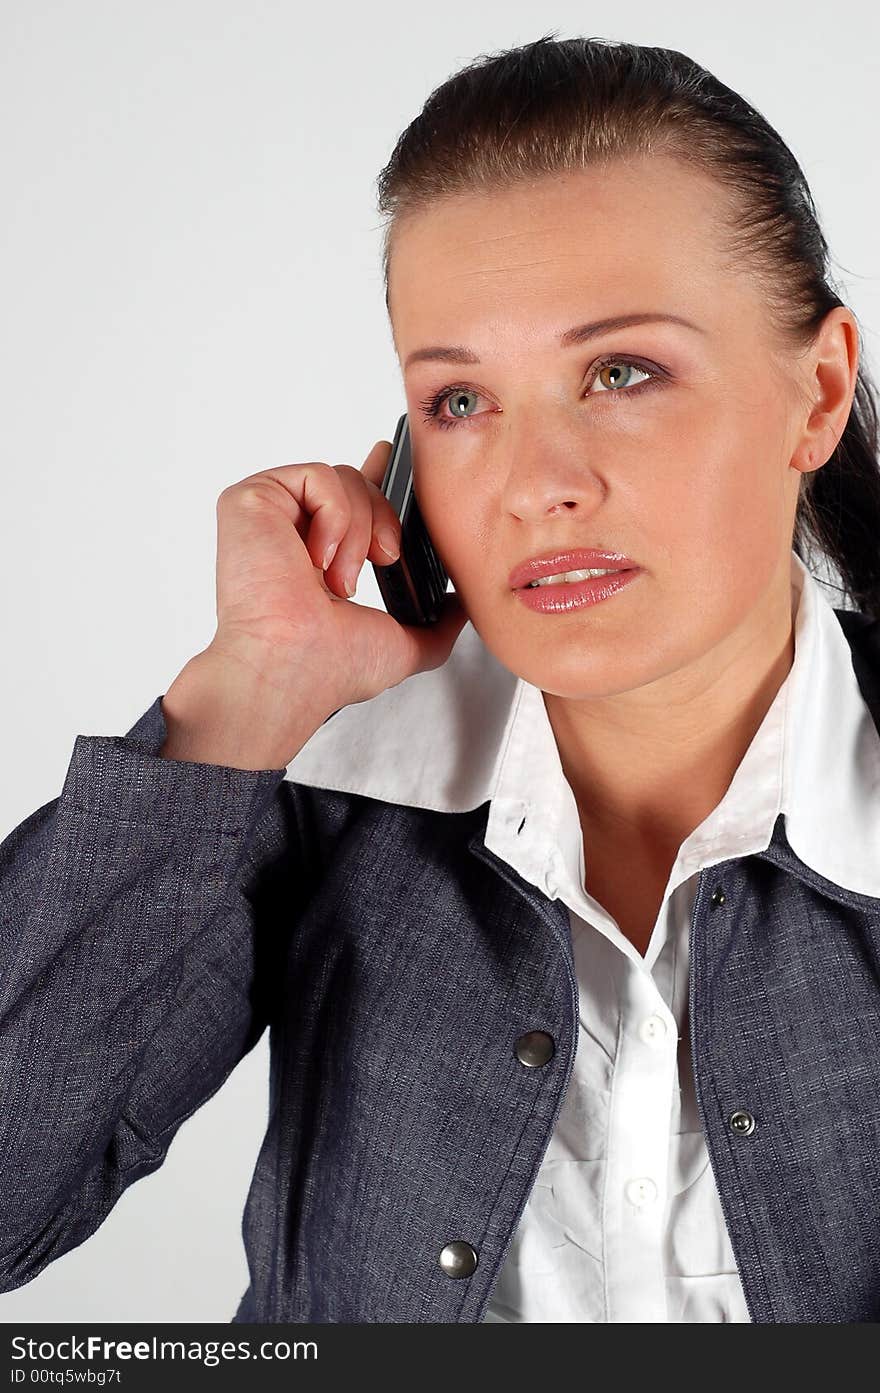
{"x":641,"y":1191}
{"x":653,"y":1030}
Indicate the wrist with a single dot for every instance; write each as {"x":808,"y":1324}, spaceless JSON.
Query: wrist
{"x":224,"y":709}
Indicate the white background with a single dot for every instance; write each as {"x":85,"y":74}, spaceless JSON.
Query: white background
{"x":191,"y":291}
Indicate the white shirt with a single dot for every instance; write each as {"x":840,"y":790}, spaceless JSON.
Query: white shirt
{"x":624,"y":1222}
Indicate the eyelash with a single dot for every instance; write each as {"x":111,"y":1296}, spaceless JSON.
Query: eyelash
{"x":431,"y":406}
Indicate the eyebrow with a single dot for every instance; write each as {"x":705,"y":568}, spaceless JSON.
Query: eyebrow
{"x":579,"y":334}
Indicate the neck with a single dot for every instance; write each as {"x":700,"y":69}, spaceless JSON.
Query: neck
{"x":647,"y":766}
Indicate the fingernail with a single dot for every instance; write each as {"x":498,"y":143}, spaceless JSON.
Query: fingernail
{"x":349,"y":580}
{"x":388,"y":542}
{"x":329,"y":555}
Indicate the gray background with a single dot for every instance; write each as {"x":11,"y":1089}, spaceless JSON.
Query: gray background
{"x":191,"y":291}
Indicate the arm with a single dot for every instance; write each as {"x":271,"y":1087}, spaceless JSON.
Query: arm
{"x":140,"y":959}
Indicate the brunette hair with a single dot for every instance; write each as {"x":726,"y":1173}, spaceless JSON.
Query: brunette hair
{"x":555,"y":105}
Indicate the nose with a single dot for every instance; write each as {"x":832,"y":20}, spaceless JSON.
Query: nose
{"x":546,"y":479}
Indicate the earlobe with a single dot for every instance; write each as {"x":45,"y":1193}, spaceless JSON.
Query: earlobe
{"x":805,"y":460}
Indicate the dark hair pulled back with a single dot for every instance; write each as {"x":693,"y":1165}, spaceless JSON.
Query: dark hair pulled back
{"x":556,"y":105}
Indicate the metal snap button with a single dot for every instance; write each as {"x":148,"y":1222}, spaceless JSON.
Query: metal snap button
{"x":534,"y":1048}
{"x":718,"y":896}
{"x":742,"y":1122}
{"x":458,"y":1259}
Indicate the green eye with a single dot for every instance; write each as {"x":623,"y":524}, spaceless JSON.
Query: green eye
{"x":456,"y":395}
{"x":456,"y":399}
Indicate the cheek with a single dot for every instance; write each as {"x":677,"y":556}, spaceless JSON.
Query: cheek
{"x":716,"y":514}
{"x":456,"y":522}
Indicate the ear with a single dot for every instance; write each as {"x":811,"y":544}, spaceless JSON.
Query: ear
{"x":831,"y":373}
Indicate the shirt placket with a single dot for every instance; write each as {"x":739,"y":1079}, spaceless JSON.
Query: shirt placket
{"x":637,"y":1157}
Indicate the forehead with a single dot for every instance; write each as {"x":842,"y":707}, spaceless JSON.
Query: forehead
{"x":608,"y":235}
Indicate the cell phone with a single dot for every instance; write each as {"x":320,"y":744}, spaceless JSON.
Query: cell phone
{"x":413,"y":586}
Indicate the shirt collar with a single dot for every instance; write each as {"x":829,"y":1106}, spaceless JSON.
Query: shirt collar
{"x":831,"y":752}
{"x":432,"y":741}
{"x":453,"y":737}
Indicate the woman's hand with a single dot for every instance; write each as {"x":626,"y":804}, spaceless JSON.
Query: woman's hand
{"x":287,"y":541}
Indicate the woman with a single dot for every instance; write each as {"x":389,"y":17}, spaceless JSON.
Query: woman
{"x":568,"y":945}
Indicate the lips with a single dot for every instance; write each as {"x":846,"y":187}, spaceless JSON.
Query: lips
{"x":551,"y":564}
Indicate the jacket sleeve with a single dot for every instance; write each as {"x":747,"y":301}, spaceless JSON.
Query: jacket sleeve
{"x":141,"y":957}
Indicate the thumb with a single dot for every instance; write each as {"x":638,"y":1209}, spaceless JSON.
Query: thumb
{"x":438,"y":640}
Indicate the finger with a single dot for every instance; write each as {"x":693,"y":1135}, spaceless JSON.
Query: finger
{"x":373,"y":532}
{"x":386,"y":523}
{"x":310,"y":495}
{"x":374,"y":466}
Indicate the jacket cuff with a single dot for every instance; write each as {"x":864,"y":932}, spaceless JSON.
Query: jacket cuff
{"x":123,"y":777}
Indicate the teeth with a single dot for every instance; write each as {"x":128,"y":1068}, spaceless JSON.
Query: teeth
{"x":571,"y":575}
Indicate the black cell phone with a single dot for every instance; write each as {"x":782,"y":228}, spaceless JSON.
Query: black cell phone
{"x":413,"y":586}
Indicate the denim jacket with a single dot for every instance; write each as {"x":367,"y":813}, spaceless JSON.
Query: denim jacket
{"x":422,"y":1010}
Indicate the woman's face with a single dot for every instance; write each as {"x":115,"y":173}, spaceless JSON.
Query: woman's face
{"x":690,"y":475}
